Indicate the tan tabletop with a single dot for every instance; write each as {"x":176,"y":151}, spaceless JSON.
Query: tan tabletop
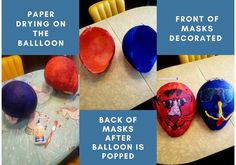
{"x":199,"y":141}
{"x":120,"y":86}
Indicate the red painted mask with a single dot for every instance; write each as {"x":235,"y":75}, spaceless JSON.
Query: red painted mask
{"x":176,"y":107}
{"x":97,"y":48}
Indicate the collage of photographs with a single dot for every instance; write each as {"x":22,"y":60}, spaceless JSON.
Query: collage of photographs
{"x":117,"y":68}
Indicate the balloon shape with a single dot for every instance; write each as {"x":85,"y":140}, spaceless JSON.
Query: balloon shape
{"x":140,"y":47}
{"x":97,"y":48}
{"x":19,"y":99}
{"x":215,"y":101}
{"x":176,"y":107}
{"x":61,"y":73}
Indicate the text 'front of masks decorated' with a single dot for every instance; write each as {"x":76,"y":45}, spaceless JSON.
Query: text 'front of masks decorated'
{"x":215,"y":101}
{"x":176,"y":107}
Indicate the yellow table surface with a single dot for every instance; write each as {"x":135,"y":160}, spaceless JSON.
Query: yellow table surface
{"x":120,"y":87}
{"x":199,"y":141}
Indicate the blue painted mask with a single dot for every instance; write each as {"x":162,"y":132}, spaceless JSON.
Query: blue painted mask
{"x":139,"y":47}
{"x":215,"y":101}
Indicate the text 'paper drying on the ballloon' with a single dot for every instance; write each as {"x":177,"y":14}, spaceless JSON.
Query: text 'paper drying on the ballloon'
{"x":40,"y":23}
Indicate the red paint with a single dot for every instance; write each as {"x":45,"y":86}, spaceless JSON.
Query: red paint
{"x":220,"y":121}
{"x":175,"y":109}
{"x":97,"y":48}
{"x":61,"y":73}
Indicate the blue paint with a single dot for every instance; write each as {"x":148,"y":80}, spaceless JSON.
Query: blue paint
{"x":208,"y":97}
{"x":139,"y":47}
{"x":18,"y":99}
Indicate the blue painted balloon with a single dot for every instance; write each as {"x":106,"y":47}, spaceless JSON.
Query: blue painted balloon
{"x":140,"y":46}
{"x":19,"y":99}
{"x":215,"y":101}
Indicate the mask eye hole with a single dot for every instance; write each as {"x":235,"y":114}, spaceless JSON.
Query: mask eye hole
{"x":181,"y":101}
{"x":206,"y":95}
{"x":227,"y":95}
{"x":168,"y":103}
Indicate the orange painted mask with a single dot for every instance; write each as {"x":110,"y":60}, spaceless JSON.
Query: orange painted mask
{"x":96,"y":49}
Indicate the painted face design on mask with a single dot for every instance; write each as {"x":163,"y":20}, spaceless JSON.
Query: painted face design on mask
{"x":215,"y":101}
{"x":176,"y":107}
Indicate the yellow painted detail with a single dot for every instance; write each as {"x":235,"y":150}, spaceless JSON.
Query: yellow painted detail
{"x":220,"y":113}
